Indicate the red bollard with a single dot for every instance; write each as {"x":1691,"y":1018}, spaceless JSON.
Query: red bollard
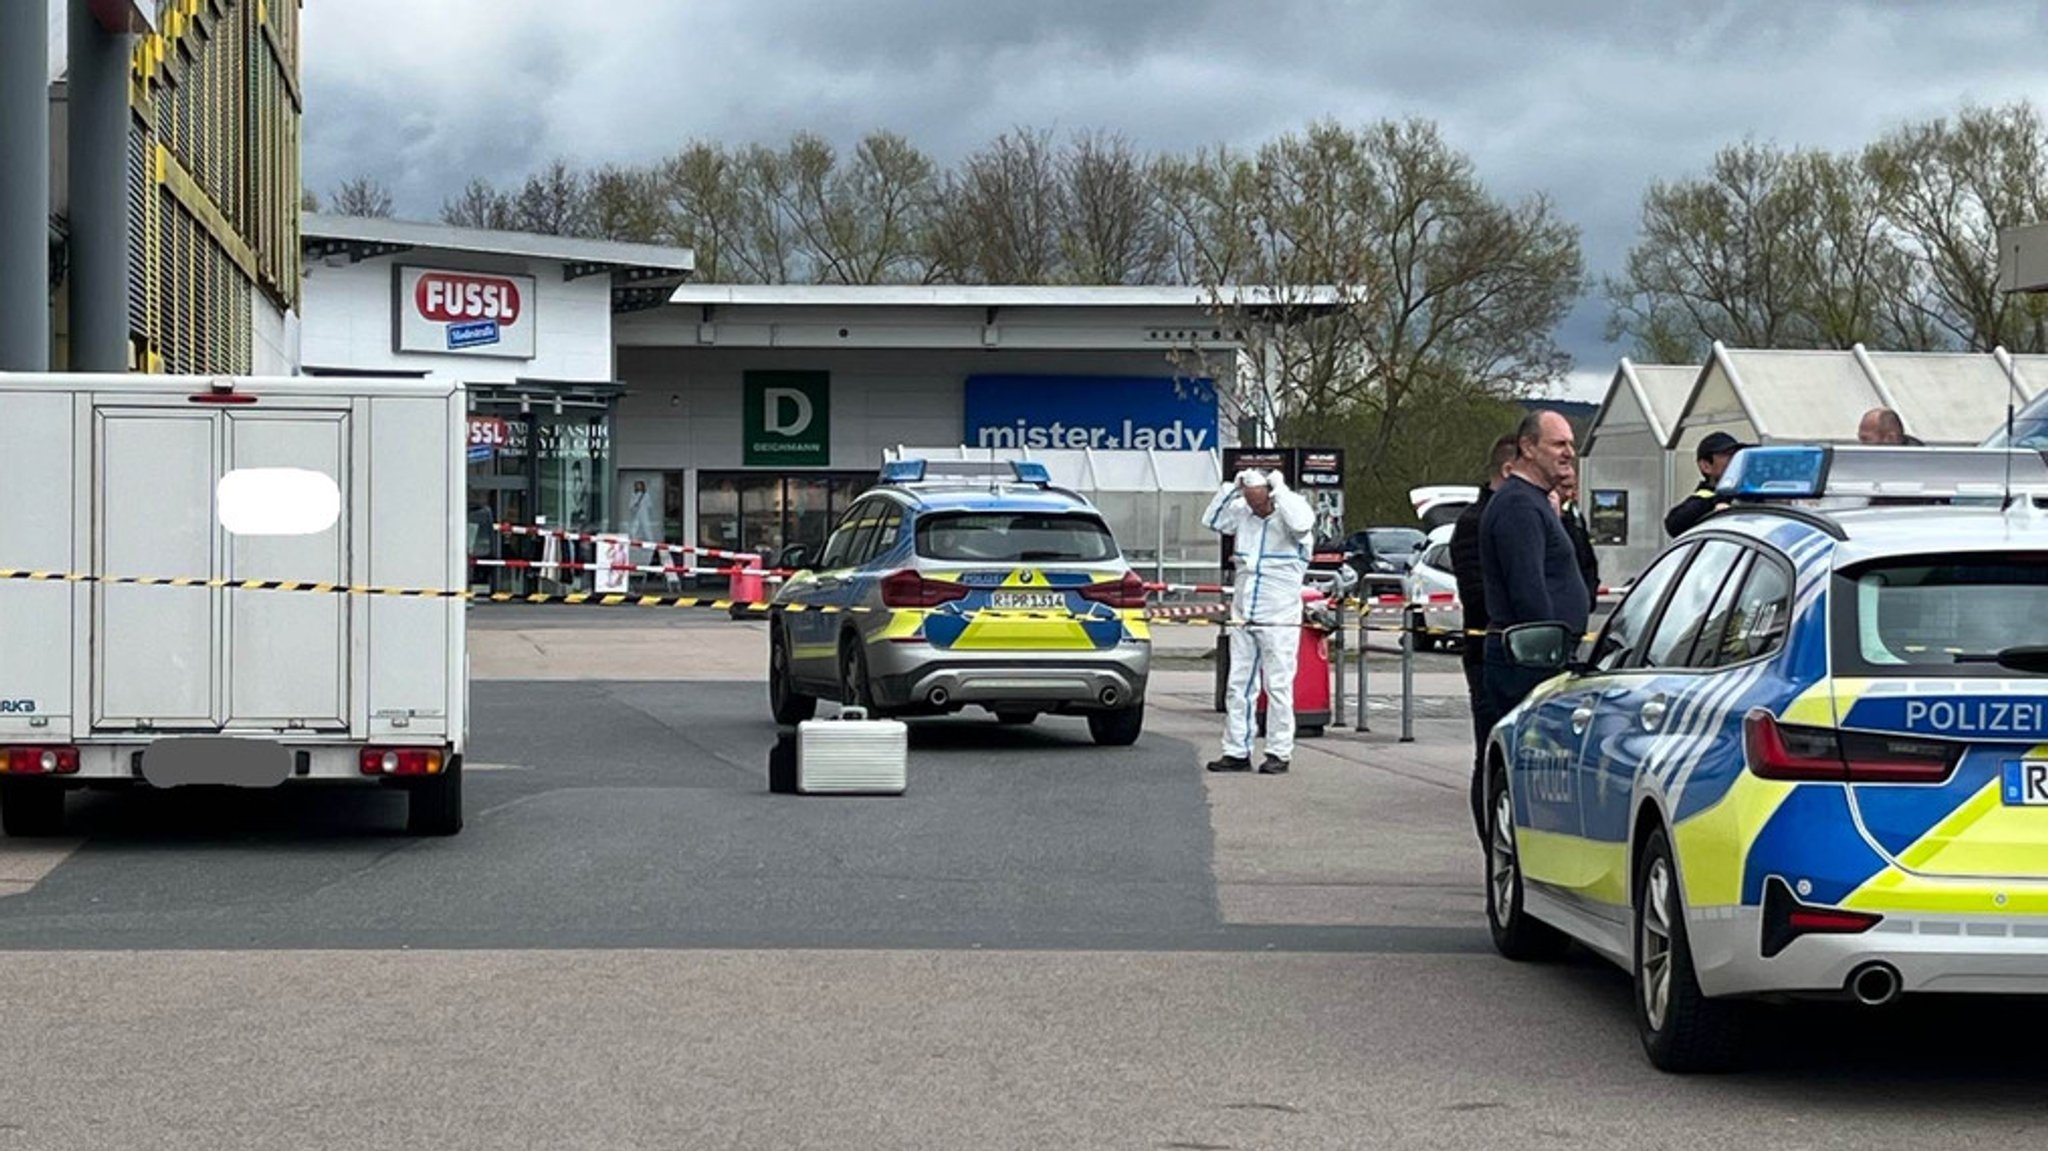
{"x":745,"y":582}
{"x":1311,"y":678}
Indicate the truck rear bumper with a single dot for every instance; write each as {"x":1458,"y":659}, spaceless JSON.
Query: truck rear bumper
{"x":121,"y":762}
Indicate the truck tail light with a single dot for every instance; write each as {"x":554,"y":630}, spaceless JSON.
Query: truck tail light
{"x":39,"y":760}
{"x":1819,"y":755}
{"x":401,"y":761}
{"x":1126,"y":592}
{"x":909,"y":589}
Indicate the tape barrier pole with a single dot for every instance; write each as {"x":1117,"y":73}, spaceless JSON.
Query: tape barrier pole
{"x":1364,"y":643}
{"x":1408,"y":684}
{"x":1337,"y":660}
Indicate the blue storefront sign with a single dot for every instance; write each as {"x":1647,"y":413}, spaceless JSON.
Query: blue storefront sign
{"x":472,"y":335}
{"x":1102,"y":412}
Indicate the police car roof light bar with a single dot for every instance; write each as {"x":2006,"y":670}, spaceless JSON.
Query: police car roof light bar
{"x":903,"y":472}
{"x":1815,"y":471}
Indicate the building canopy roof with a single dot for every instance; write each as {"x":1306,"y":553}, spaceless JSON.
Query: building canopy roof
{"x":1819,"y":396}
{"x":642,"y":275}
{"x":1644,"y":395}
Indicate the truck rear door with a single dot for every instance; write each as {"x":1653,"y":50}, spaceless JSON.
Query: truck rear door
{"x":194,"y":658}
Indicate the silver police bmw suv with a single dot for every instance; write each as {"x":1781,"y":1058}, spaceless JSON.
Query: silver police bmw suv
{"x":984,"y":586}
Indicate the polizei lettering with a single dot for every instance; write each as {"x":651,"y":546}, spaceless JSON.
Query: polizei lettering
{"x":1990,"y":716}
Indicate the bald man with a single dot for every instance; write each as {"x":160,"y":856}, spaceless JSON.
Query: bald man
{"x":1883,"y":426}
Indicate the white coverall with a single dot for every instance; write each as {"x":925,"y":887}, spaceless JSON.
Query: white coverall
{"x":1271,"y":556}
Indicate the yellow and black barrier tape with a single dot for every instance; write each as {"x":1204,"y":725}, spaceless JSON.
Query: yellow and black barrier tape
{"x":1212,"y":615}
{"x":595,"y":599}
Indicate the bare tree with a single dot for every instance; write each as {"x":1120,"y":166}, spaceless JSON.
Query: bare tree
{"x":1388,"y":274}
{"x":1948,"y":187}
{"x":553,"y":202}
{"x":479,"y":206}
{"x":702,"y":186}
{"x":361,"y":196}
{"x":999,"y":223}
{"x":1717,"y":260}
{"x":1109,"y":232}
{"x":861,"y":222}
{"x":627,"y":204}
{"x":1204,"y":207}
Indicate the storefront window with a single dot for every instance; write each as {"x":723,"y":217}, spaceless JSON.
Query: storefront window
{"x":763,"y":514}
{"x":575,"y":461}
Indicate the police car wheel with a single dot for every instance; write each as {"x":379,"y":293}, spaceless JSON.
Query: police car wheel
{"x":1515,"y":934}
{"x":1119,"y":728}
{"x":790,"y":706}
{"x":30,"y":808}
{"x":855,"y":688}
{"x":1682,"y":1029}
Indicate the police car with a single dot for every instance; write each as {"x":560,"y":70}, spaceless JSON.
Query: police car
{"x":1806,"y":755}
{"x":964,"y":583}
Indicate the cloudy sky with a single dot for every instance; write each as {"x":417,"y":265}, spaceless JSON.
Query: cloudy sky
{"x":1583,"y":101}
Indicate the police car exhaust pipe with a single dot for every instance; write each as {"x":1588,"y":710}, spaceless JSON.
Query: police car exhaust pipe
{"x":938,"y":697}
{"x":1874,"y":984}
{"x":1109,"y":697}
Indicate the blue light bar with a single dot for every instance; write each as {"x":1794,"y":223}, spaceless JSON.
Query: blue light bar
{"x":1784,"y":472}
{"x":903,"y":472}
{"x":1031,"y":472}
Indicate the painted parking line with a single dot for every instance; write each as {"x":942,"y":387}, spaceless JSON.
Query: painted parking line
{"x":25,"y":863}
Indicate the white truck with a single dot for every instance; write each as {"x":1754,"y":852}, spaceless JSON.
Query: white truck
{"x":126,"y":679}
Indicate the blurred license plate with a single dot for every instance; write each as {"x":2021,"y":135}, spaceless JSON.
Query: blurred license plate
{"x":1027,"y":600}
{"x":2026,"y":783}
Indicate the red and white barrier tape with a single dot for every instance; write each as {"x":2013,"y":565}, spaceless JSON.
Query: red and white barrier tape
{"x":597,"y":537}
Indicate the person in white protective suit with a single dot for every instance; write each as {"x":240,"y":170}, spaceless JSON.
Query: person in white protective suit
{"x":1274,"y":535}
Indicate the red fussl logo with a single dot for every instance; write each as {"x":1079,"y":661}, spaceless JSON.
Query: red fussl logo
{"x":444,"y":298}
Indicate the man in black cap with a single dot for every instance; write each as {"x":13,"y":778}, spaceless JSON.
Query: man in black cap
{"x":1714,"y":453}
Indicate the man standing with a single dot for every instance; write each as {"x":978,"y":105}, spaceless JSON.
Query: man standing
{"x":1575,"y":527}
{"x":1472,"y":599}
{"x":1883,"y":426}
{"x":1712,"y":457}
{"x":1525,"y":558}
{"x":1273,"y":530}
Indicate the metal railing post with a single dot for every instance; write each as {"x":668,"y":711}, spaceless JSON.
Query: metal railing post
{"x":1337,"y":658}
{"x":1408,"y":684}
{"x":1364,"y":642}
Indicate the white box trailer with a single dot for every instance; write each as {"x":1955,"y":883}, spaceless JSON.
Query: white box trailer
{"x":129,"y":477}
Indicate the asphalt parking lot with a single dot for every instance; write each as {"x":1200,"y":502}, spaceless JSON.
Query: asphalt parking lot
{"x":634,"y":943}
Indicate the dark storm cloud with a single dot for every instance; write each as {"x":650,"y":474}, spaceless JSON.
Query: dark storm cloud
{"x":1584,"y":102}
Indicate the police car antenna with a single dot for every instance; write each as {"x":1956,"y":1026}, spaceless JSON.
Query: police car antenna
{"x":2006,"y":504}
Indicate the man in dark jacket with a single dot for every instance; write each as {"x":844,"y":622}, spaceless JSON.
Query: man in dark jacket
{"x":1712,"y":456}
{"x":1526,"y":560}
{"x":1472,"y":598}
{"x":1582,"y":540}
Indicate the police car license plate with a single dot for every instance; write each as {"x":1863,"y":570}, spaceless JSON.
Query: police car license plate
{"x":1027,"y":600}
{"x":2026,"y":783}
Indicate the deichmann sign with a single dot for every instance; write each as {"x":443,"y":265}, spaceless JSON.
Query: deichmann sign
{"x":1102,"y":412}
{"x":453,"y":313}
{"x":788,"y":419}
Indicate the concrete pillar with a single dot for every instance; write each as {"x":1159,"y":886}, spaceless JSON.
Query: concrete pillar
{"x":24,"y":186}
{"x":97,"y":151}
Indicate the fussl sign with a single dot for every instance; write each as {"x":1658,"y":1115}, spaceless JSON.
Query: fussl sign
{"x":453,"y":313}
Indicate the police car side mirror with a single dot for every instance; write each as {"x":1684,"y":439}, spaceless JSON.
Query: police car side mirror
{"x":1539,"y":646}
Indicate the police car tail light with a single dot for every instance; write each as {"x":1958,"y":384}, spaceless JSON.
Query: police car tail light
{"x":39,"y":760}
{"x":1874,"y":758}
{"x":1126,"y":592}
{"x":909,"y":589}
{"x":1789,"y":752}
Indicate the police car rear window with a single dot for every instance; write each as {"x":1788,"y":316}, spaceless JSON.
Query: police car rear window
{"x":1909,"y":616}
{"x":1013,"y":537}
